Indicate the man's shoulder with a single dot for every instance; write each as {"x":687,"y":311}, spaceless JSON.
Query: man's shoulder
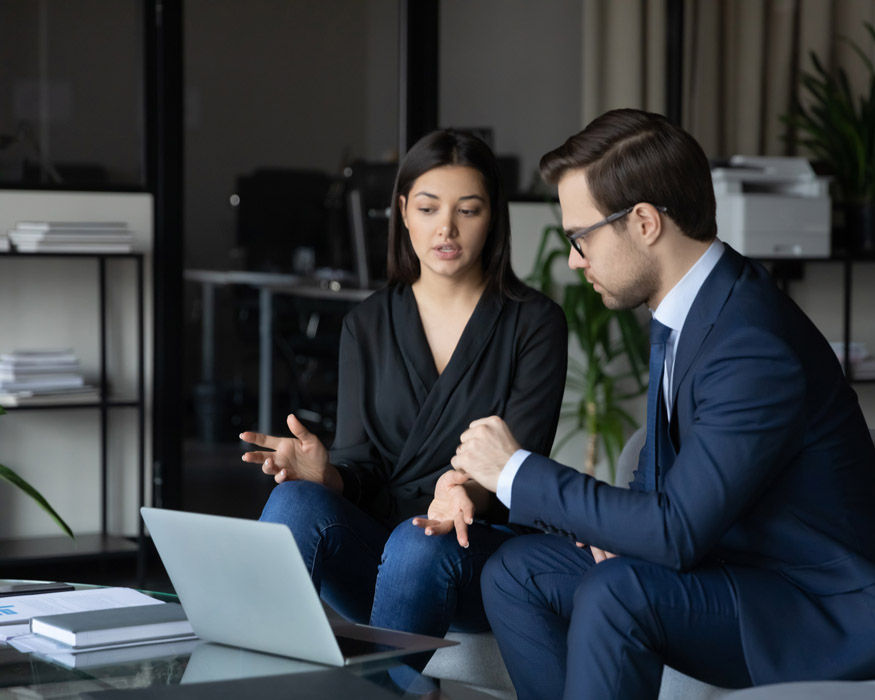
{"x":755,"y":319}
{"x":747,"y":294}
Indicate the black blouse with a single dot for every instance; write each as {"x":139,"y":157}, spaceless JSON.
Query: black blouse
{"x":399,"y":421}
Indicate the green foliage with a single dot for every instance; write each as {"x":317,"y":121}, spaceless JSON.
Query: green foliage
{"x":8,"y":475}
{"x":606,"y":338}
{"x":837,"y":127}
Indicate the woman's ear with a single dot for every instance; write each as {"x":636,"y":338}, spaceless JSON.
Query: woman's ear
{"x":402,"y":207}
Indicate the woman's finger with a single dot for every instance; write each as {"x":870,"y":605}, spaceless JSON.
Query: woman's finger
{"x":426,"y":522}
{"x":257,"y":457}
{"x":440,"y":527}
{"x":297,"y":428}
{"x":466,"y":507}
{"x":454,"y":478}
{"x":461,"y":529}
{"x":260,"y":439}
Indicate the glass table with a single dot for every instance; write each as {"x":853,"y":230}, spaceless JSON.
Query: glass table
{"x":200,"y":669}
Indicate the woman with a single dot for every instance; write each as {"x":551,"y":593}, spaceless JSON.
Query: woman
{"x":455,"y":336}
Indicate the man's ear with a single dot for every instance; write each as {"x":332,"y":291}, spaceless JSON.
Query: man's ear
{"x":646,"y":223}
{"x":402,"y":207}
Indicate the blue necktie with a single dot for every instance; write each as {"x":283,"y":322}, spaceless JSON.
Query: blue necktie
{"x":658,"y":337}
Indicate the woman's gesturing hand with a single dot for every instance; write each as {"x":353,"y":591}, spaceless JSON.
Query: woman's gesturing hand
{"x":452,"y":507}
{"x":302,"y":456}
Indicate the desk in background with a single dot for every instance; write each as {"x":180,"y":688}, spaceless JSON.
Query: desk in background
{"x":268,"y":284}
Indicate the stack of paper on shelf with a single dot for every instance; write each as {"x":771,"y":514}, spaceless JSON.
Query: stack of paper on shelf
{"x":34,"y":377}
{"x":111,"y":635}
{"x":4,"y":243}
{"x":72,"y":237}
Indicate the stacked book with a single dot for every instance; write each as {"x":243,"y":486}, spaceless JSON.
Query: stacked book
{"x":72,"y":237}
{"x":39,"y":377}
{"x":101,"y":626}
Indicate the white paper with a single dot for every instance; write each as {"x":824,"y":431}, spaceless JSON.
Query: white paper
{"x":15,"y":610}
{"x":9,"y":631}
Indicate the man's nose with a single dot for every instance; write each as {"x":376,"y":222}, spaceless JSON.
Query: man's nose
{"x":575,"y":260}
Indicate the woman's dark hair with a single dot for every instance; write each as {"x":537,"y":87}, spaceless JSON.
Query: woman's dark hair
{"x":632,"y":156}
{"x":435,"y":150}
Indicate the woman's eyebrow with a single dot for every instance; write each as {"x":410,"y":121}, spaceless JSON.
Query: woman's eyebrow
{"x":423,"y":193}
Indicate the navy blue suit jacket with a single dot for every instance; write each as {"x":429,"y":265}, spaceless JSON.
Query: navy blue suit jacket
{"x":773,"y":478}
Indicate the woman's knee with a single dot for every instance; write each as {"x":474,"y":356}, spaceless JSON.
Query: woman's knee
{"x":298,"y":502}
{"x":409,"y":548}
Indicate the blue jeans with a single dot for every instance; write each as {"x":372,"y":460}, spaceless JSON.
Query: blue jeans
{"x":397,"y":578}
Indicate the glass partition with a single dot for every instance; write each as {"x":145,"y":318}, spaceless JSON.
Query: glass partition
{"x":71,"y":107}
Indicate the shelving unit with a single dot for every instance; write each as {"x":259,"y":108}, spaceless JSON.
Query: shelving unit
{"x":848,"y":269}
{"x":783,"y":270}
{"x":100,"y":545}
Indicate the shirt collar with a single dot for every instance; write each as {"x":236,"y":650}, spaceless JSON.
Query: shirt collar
{"x":673,"y":309}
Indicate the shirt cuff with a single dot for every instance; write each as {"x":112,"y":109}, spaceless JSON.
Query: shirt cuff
{"x":507,"y":475}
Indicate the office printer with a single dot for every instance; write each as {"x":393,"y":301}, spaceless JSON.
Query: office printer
{"x":772,"y":207}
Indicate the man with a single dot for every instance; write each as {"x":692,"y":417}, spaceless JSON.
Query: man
{"x":744,"y":551}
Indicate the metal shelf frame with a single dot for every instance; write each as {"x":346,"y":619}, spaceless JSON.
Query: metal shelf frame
{"x":105,"y":404}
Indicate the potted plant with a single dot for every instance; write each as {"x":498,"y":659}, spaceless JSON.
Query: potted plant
{"x":838,"y":128}
{"x":615,"y":351}
{"x":8,"y":475}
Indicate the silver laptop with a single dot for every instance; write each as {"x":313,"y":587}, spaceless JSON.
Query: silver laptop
{"x":244,"y":583}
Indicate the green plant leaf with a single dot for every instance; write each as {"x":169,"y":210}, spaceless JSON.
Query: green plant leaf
{"x":603,"y":336}
{"x":564,"y":440}
{"x":837,"y":127}
{"x":630,"y":421}
{"x":859,"y":51}
{"x":8,"y":475}
{"x":818,"y":66}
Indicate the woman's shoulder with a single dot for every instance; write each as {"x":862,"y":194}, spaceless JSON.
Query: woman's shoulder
{"x":373,"y":309}
{"x":536,"y":305}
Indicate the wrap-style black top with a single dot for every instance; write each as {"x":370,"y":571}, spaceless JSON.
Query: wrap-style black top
{"x":399,"y":421}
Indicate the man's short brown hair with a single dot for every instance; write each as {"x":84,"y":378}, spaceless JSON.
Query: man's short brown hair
{"x":632,"y":156}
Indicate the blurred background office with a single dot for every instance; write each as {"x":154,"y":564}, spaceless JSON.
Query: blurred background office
{"x":267,"y":132}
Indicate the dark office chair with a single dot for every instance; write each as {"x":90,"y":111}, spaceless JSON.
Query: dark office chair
{"x":368,"y":203}
{"x":281,"y":210}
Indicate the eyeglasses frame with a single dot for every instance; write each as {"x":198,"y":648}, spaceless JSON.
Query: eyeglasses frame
{"x":573,"y":238}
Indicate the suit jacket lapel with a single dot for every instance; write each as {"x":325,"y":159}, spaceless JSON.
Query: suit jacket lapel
{"x":705,"y":309}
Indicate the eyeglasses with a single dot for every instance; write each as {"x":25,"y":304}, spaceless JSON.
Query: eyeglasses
{"x":573,"y":238}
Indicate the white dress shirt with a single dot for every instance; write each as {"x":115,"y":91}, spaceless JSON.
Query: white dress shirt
{"x":672,"y":312}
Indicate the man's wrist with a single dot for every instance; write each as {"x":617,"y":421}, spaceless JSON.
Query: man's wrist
{"x":508,"y":474}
